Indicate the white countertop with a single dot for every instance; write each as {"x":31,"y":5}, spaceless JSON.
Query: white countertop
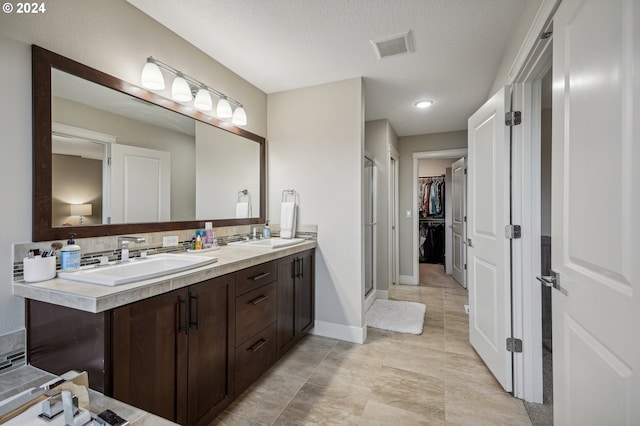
{"x":98,"y":298}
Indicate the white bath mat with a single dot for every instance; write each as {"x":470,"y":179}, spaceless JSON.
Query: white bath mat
{"x":394,"y":315}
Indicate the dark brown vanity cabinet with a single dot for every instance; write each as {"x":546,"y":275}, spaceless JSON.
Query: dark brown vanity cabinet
{"x":173,"y":354}
{"x":256,"y":315}
{"x":185,"y":354}
{"x":296,"y":299}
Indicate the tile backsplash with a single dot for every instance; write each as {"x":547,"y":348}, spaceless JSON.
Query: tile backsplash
{"x":12,"y":350}
{"x":96,"y":247}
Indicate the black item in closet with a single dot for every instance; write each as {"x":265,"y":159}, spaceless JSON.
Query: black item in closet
{"x":431,"y":242}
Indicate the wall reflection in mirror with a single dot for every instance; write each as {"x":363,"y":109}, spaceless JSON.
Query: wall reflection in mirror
{"x":136,"y":162}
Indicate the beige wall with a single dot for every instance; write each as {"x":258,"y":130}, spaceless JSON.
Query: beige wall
{"x":111,"y":36}
{"x":75,"y":180}
{"x":316,"y":146}
{"x":408,"y":146}
{"x":435,"y":167}
{"x":516,"y":38}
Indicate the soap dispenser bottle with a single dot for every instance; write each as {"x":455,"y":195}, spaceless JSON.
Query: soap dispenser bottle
{"x":266,"y":231}
{"x":70,"y":255}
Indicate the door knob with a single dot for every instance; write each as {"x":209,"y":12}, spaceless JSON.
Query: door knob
{"x":468,"y":242}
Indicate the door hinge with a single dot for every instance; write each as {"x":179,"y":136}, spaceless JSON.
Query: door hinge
{"x":465,"y":266}
{"x":512,"y":118}
{"x":465,"y":170}
{"x":514,"y":345}
{"x":464,"y":219}
{"x":109,"y":161}
{"x":512,"y":232}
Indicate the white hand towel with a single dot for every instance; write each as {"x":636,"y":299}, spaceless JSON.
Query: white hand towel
{"x":288,"y":219}
{"x":242,"y":210}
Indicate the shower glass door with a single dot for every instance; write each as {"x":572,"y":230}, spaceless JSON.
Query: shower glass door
{"x":369,"y":225}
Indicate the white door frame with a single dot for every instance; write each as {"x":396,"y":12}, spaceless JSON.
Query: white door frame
{"x":417,"y":156}
{"x":394,"y":203}
{"x":532,"y":63}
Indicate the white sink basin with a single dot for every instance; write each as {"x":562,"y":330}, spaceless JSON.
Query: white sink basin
{"x":138,"y":269}
{"x":269,"y":243}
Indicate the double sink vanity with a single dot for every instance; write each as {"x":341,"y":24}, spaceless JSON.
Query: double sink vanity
{"x":181,"y":345}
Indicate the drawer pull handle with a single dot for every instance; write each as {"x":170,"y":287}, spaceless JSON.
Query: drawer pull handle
{"x":259,"y":299}
{"x":256,"y":346}
{"x":260,"y":276}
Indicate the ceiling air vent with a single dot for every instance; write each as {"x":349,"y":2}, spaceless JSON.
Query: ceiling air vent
{"x":395,"y":45}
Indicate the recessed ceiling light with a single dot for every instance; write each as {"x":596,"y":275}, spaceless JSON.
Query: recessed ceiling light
{"x":423,"y":104}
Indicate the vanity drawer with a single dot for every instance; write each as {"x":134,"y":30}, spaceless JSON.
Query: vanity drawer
{"x":255,"y":357}
{"x":254,"y":310}
{"x":256,"y":276}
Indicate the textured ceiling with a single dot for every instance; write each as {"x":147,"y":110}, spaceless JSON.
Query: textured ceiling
{"x":287,"y":44}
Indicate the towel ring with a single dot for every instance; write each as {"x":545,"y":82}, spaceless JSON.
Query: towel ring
{"x":290,"y":192}
{"x":244,"y":193}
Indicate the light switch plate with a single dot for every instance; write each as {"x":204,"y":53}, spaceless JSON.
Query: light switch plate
{"x":170,"y":241}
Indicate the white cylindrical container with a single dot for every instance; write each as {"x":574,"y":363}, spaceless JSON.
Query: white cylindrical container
{"x":39,"y":268}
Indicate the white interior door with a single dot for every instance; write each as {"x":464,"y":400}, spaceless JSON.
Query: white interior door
{"x":488,"y":251}
{"x":140,"y":185}
{"x":458,"y":201}
{"x":595,"y":210}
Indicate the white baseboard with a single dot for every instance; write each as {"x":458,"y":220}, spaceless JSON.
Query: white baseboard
{"x":339,"y":331}
{"x":382,"y":294}
{"x":408,"y":280}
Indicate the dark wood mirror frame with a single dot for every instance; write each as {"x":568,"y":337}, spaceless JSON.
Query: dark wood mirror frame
{"x":42,"y":230}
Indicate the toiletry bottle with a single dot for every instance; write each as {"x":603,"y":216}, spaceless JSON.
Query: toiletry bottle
{"x":266,"y":231}
{"x":70,"y":255}
{"x":208,"y":228}
{"x":198,"y":242}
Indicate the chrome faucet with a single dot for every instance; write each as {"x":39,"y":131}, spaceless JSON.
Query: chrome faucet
{"x":123,"y":242}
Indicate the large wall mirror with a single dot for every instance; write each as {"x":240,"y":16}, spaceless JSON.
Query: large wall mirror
{"x":112,"y":158}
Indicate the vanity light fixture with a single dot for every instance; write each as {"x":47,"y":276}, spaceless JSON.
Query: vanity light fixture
{"x":423,"y":104}
{"x":184,"y":88}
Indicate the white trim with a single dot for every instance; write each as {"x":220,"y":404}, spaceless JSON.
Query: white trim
{"x":414,"y":279}
{"x":382,"y":294}
{"x":346,"y":333}
{"x":79,"y":132}
{"x":408,"y":280}
{"x":538,"y":26}
{"x":526,"y":198}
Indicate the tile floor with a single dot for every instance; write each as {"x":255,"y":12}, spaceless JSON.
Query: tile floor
{"x":392,"y":379}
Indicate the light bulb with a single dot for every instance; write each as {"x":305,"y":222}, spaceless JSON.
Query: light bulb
{"x":152,"y":76}
{"x":423,"y":104}
{"x":180,"y":90}
{"x":239,"y":117}
{"x":223,"y":109}
{"x":203,"y":100}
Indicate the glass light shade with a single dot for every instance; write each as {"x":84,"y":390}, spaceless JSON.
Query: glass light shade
{"x":223,"y":109}
{"x":203,"y":100}
{"x":152,"y":77}
{"x":180,"y":90}
{"x":239,"y":117}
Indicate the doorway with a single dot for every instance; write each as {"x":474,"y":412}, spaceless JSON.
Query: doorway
{"x":433,"y":162}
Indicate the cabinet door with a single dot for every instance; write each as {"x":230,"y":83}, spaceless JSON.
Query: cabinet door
{"x":211,"y":348}
{"x":286,"y":299}
{"x":304,"y":294}
{"x":149,"y":362}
